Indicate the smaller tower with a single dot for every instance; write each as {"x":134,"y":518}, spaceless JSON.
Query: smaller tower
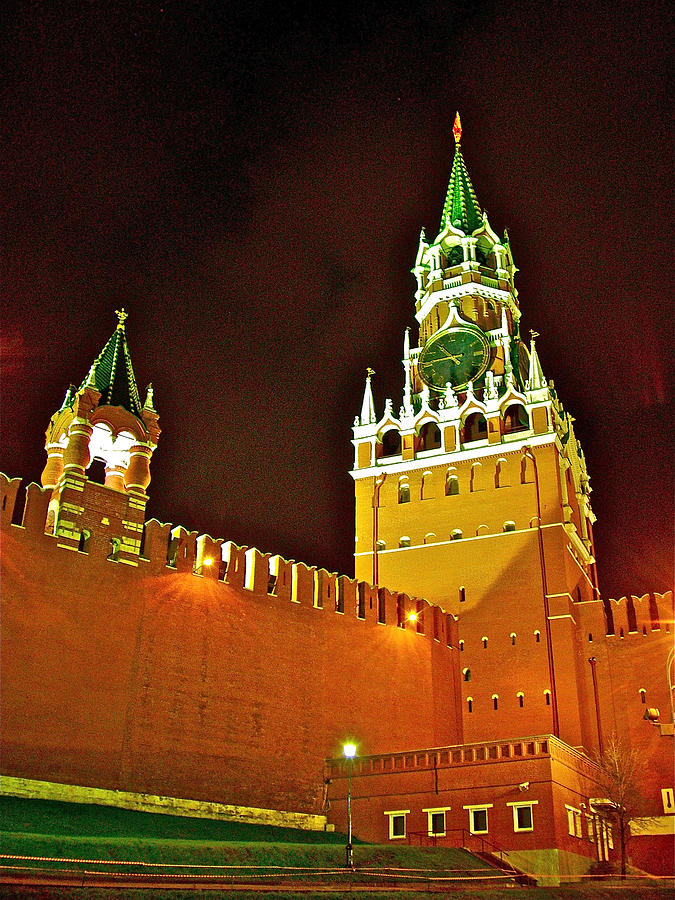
{"x":103,"y":420}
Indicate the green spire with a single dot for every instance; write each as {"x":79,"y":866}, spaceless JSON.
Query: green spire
{"x":461,"y":208}
{"x":112,"y":374}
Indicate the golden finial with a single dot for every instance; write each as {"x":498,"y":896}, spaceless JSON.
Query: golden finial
{"x":457,"y":129}
{"x":122,"y":315}
{"x":534,"y":334}
{"x":370,"y":371}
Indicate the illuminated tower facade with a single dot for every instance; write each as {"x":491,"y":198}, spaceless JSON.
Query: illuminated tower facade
{"x":103,"y":420}
{"x":472,"y":491}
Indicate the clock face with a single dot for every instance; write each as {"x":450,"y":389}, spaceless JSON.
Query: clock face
{"x":458,"y":356}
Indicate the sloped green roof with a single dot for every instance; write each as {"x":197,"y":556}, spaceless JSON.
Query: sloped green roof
{"x":112,"y":372}
{"x":461,"y":208}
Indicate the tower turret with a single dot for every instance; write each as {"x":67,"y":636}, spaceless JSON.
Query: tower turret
{"x":105,"y":420}
{"x":476,"y":496}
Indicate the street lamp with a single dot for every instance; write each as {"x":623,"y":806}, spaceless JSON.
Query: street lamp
{"x":349,"y":751}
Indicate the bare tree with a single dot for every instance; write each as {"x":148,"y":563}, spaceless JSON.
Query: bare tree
{"x":621,"y":767}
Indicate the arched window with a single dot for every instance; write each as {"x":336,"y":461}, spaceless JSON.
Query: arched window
{"x":461,"y":645}
{"x":391,"y":443}
{"x":455,"y":255}
{"x":430,"y":537}
{"x":427,"y":490}
{"x":632,"y":617}
{"x":381,"y":545}
{"x":526,"y":471}
{"x":515,"y":418}
{"x":462,"y":594}
{"x":643,"y":695}
{"x":495,"y":701}
{"x":429,"y":437}
{"x":456,"y":535}
{"x":469,"y":703}
{"x":451,"y":484}
{"x":513,"y":639}
{"x":484,"y":640}
{"x":501,"y":474}
{"x":403,"y":490}
{"x":509,"y":526}
{"x":476,"y":483}
{"x":115,"y":544}
{"x":467,"y":674}
{"x":547,"y":697}
{"x":404,"y":541}
{"x":475,"y":428}
{"x":83,"y":544}
{"x":537,"y":636}
{"x":521,"y":699}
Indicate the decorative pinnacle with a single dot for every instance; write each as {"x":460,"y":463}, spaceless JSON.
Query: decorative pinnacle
{"x":534,"y":334}
{"x":370,"y":371}
{"x":457,"y":129}
{"x":122,"y":315}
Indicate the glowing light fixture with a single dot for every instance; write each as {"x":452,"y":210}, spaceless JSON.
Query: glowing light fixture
{"x":349,"y":751}
{"x":208,"y":561}
{"x":412,"y":617}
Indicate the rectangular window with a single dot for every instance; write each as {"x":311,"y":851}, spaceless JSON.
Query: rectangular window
{"x":523,"y":819}
{"x":478,"y":818}
{"x":573,"y":821}
{"x":397,"y":823}
{"x":668,"y":798}
{"x":436,"y":821}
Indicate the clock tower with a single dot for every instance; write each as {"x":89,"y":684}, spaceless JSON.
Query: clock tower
{"x":472,"y":492}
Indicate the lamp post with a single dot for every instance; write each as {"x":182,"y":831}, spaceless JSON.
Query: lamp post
{"x":349,"y":751}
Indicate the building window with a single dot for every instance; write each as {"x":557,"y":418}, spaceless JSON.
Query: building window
{"x":467,"y":674}
{"x":403,"y":492}
{"x":484,"y":641}
{"x":436,"y":821}
{"x":521,"y":699}
{"x":495,"y":701}
{"x":513,"y":638}
{"x":547,"y":697}
{"x":456,"y":535}
{"x":478,"y":818}
{"x":451,"y":485}
{"x":391,"y":443}
{"x":523,"y":819}
{"x":461,"y":645}
{"x":462,"y":595}
{"x":380,"y":545}
{"x":573,"y":821}
{"x":469,"y":703}
{"x":509,"y":526}
{"x":537,"y":636}
{"x":397,"y":823}
{"x":643,"y":695}
{"x":404,"y":541}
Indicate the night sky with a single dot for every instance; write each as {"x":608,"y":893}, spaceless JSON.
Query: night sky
{"x":250,"y":184}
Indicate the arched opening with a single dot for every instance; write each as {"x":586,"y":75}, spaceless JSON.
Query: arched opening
{"x":451,"y":484}
{"x":643,"y":695}
{"x":469,"y":703}
{"x":484,"y":641}
{"x":83,"y":543}
{"x":427,"y":489}
{"x":513,"y":639}
{"x":521,"y":699}
{"x":380,"y":545}
{"x":430,"y":537}
{"x":515,"y":418}
{"x":467,"y":674}
{"x":547,"y":697}
{"x":501,"y":474}
{"x":462,"y":595}
{"x":404,"y":541}
{"x":403,"y":490}
{"x":391,"y":443}
{"x":476,"y":482}
{"x":509,"y":526}
{"x":456,"y":535}
{"x":537,"y":636}
{"x":474,"y":428}
{"x":429,"y":437}
{"x":495,"y":701}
